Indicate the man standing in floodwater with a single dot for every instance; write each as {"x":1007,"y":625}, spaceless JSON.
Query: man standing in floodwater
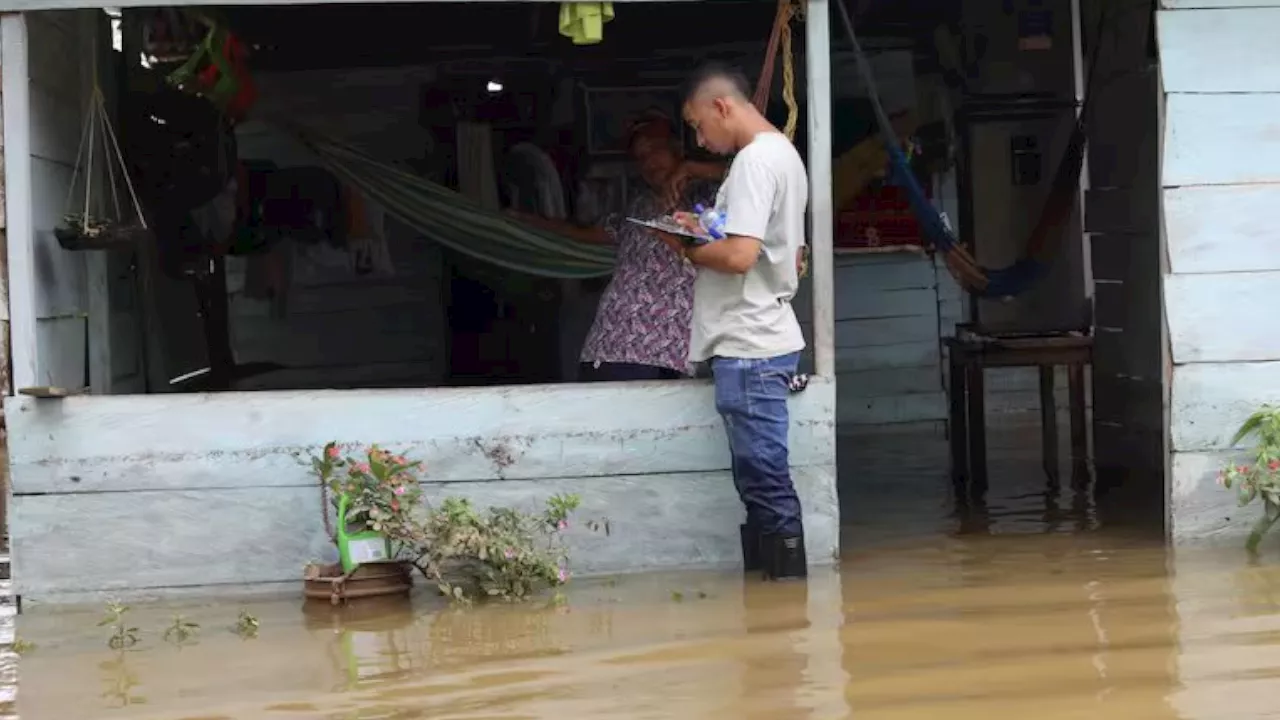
{"x":743,"y":323}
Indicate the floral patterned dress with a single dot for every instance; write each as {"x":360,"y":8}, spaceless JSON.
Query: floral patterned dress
{"x":645,"y":312}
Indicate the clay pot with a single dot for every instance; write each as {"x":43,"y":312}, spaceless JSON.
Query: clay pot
{"x":327,"y":582}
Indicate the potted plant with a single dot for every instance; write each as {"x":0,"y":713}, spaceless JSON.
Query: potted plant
{"x":1259,"y":480}
{"x":369,"y":500}
{"x":383,"y":529}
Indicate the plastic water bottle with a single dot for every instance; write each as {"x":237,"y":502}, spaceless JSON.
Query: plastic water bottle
{"x":711,"y":221}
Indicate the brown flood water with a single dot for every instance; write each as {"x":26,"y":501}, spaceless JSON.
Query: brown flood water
{"x":1021,"y":620}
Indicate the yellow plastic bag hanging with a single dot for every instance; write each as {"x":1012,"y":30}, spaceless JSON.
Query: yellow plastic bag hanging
{"x":583,"y":22}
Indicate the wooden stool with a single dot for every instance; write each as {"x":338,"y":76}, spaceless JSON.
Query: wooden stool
{"x":970,"y":354}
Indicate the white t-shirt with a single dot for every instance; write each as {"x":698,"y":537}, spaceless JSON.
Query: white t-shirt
{"x":749,"y":316}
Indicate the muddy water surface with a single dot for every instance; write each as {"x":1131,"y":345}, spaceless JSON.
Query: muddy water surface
{"x":1016,"y":619}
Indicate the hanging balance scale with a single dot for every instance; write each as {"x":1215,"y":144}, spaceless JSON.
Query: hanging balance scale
{"x":88,"y":225}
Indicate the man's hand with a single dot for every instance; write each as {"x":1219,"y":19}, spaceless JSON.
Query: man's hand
{"x":688,"y":221}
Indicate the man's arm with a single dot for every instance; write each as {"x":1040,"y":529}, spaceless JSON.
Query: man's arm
{"x":748,"y":202}
{"x":735,"y":254}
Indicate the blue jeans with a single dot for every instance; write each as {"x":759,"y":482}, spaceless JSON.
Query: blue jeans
{"x":751,"y":396}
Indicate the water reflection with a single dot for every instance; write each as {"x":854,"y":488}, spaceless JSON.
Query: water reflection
{"x":1020,"y":608}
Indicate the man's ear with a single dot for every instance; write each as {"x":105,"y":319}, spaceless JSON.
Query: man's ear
{"x":722,"y":106}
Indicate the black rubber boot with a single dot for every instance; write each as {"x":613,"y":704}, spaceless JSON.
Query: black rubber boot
{"x":784,"y":557}
{"x":751,"y":557}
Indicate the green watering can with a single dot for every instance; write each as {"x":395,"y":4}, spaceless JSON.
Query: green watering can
{"x":356,"y":549}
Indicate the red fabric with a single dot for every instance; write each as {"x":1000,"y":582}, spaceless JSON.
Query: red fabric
{"x":877,"y":218}
{"x":246,"y":93}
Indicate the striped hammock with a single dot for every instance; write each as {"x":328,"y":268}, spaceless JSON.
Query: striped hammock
{"x":456,"y":222}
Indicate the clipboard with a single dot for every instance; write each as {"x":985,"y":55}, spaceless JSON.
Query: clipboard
{"x":668,"y":225}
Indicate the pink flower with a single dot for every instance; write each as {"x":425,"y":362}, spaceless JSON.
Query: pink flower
{"x":332,"y":451}
{"x":1242,"y":469}
{"x":400,"y":490}
{"x":563,"y":575}
{"x":399,"y":460}
{"x":362,"y":467}
{"x":1274,"y":465}
{"x":562,"y":525}
{"x":508,"y":553}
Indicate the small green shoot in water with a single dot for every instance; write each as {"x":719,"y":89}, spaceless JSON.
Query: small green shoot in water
{"x":22,"y":647}
{"x":246,"y":625}
{"x":122,"y":636}
{"x":181,"y":630}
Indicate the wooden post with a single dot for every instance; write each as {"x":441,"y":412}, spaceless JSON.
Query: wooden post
{"x":818,"y":99}
{"x":17,"y":259}
{"x":15,"y":87}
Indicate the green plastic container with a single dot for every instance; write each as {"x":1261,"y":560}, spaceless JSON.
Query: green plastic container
{"x":356,"y":549}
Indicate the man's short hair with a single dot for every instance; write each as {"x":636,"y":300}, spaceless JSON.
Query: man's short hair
{"x":728,"y":77}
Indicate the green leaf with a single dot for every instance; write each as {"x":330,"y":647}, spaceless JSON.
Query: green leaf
{"x":1249,"y":427}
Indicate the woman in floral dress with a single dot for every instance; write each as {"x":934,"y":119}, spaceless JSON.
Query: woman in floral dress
{"x":641,"y":328}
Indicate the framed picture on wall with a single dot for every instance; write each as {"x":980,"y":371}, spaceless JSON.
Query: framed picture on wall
{"x":611,"y":111}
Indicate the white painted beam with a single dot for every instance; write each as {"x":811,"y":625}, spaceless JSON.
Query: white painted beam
{"x":30,"y":5}
{"x":1220,"y":51}
{"x":15,"y":87}
{"x":821,"y":212}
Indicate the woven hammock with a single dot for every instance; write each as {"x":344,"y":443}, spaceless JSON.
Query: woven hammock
{"x":455,"y":221}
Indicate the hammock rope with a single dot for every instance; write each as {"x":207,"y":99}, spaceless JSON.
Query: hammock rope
{"x":1047,"y":233}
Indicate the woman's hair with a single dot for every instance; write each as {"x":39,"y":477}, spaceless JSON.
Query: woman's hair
{"x":651,"y":123}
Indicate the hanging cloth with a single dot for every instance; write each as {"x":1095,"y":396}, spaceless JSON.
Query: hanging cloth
{"x":583,"y":22}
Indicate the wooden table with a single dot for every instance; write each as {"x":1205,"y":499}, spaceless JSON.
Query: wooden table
{"x":971,"y":353}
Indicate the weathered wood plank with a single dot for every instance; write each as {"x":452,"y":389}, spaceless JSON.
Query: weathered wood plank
{"x":853,"y":302}
{"x":1223,"y":317}
{"x":1199,"y":509}
{"x":886,"y":331}
{"x":233,"y":440}
{"x":1220,"y":50}
{"x":1222,"y":228}
{"x":1206,"y":4}
{"x":56,"y":137}
{"x":267,"y":534}
{"x":1221,"y":139}
{"x":908,"y":272}
{"x":885,"y":410}
{"x":905,"y":355}
{"x":889,"y":381}
{"x":1209,"y":401}
{"x":397,"y":333}
{"x":61,"y":276}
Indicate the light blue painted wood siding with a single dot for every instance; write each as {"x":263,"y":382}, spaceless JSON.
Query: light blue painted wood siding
{"x":1221,"y":170}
